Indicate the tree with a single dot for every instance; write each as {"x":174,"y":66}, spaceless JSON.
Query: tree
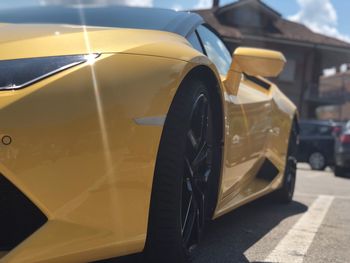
{"x":216,"y":3}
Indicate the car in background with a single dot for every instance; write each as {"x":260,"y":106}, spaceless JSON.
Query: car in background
{"x":317,"y":143}
{"x":347,"y":125}
{"x":342,"y":153}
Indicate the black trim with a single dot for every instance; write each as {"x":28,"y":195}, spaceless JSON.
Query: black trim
{"x":201,"y":42}
{"x":268,"y":171}
{"x":14,"y":69}
{"x":258,"y":81}
{"x":213,"y":30}
{"x":19,"y":217}
{"x":112,"y":16}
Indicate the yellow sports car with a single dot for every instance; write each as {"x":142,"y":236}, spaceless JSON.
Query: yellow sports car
{"x":126,"y":129}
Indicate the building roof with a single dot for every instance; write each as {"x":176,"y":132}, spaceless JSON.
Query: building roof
{"x":224,"y":30}
{"x":256,"y":4}
{"x":283,"y":29}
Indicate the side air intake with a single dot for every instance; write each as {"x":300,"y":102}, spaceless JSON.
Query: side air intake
{"x":19,"y":217}
{"x":268,"y":171}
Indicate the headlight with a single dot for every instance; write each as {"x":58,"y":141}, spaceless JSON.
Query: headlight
{"x":18,"y":73}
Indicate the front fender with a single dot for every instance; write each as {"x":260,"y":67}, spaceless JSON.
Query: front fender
{"x":79,"y":155}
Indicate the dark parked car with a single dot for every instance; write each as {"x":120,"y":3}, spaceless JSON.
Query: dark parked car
{"x":342,"y":153}
{"x":317,"y":143}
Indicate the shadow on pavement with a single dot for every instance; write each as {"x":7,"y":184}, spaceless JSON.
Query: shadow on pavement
{"x":231,"y":235}
{"x":228,"y":237}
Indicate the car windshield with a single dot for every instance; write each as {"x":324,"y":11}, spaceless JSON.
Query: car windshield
{"x":111,"y":16}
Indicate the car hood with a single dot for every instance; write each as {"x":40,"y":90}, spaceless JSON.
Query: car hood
{"x":34,"y":40}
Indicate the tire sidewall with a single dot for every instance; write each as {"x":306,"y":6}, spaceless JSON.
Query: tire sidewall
{"x":164,"y":241}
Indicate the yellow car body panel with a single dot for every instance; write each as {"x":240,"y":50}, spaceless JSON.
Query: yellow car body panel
{"x":80,"y":156}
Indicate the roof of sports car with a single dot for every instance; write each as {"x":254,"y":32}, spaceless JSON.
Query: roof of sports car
{"x":181,"y":23}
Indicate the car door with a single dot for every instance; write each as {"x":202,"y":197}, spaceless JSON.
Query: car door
{"x":247,"y":125}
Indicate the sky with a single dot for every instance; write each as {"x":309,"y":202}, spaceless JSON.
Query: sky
{"x":329,"y":17}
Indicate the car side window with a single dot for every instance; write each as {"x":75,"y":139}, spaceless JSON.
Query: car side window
{"x":325,"y":130}
{"x":215,"y":49}
{"x":307,"y":129}
{"x":193,"y":39}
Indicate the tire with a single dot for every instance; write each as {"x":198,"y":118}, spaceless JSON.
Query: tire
{"x":286,"y":193}
{"x":317,"y":161}
{"x":341,"y":171}
{"x":183,"y":200}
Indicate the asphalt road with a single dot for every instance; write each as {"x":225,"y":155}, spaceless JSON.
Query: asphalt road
{"x":315,"y":228}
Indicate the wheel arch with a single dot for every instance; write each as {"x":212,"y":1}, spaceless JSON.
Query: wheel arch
{"x":210,"y":79}
{"x":168,"y":166}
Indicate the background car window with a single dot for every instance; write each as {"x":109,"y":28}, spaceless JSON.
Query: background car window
{"x":193,"y":39}
{"x":307,"y":129}
{"x":215,"y":49}
{"x":325,"y":130}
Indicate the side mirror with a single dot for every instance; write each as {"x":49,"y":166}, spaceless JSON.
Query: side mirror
{"x":254,"y":62}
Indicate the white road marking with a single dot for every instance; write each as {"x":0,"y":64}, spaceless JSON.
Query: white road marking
{"x":293,"y":247}
{"x":312,"y":176}
{"x":316,"y":195}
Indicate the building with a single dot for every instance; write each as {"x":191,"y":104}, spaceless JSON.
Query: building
{"x":253,"y":23}
{"x":336,"y":88}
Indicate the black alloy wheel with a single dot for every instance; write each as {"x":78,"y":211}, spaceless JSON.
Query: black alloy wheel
{"x":291,"y":177}
{"x":286,"y":193}
{"x":198,"y":161}
{"x":185,"y":182}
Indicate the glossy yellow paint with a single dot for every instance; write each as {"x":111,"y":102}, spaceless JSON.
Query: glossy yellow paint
{"x":257,"y":127}
{"x":259,"y":62}
{"x":79,"y":155}
{"x":254,"y":62}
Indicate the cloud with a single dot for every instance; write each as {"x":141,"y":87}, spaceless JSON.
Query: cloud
{"x":139,"y":2}
{"x":177,"y":7}
{"x":320,"y":17}
{"x":148,"y":3}
{"x":202,"y":4}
